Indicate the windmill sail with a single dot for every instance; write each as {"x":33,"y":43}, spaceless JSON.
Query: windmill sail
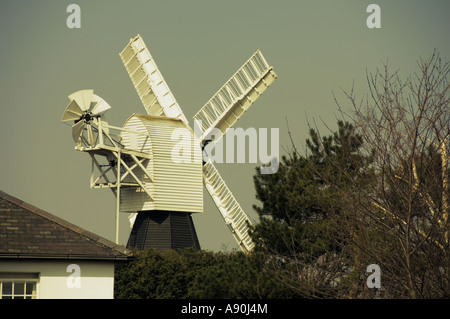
{"x":236,"y":96}
{"x":83,"y":107}
{"x":83,"y":98}
{"x":231,"y":211}
{"x":153,"y":184}
{"x":73,"y":112}
{"x":150,"y":85}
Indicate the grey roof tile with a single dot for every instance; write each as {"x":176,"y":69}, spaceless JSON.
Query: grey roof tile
{"x":29,"y":232}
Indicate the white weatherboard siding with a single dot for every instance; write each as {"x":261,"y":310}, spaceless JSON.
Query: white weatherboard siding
{"x":134,"y":199}
{"x":96,"y":280}
{"x":175,"y":186}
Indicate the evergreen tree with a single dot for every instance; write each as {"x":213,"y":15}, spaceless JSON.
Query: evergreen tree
{"x":171,"y":274}
{"x":303,"y":204}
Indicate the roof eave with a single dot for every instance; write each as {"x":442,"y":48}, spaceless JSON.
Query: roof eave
{"x":23,"y":256}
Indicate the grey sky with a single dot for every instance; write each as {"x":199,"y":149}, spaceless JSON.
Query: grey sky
{"x":316,"y":47}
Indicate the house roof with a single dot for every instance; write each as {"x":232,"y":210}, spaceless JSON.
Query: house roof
{"x":29,"y":232}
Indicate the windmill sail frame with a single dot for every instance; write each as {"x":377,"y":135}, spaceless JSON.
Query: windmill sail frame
{"x":236,"y":96}
{"x":132,"y":167}
{"x":148,"y":81}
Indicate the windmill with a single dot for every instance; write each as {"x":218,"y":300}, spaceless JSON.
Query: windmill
{"x":136,"y":161}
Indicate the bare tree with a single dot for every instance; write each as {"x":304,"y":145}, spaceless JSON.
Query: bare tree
{"x":401,"y":222}
{"x":374,"y":192}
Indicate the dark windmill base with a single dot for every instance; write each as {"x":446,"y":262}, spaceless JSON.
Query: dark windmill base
{"x":163,"y":230}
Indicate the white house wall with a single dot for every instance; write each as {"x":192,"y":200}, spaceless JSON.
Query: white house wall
{"x":96,"y":279}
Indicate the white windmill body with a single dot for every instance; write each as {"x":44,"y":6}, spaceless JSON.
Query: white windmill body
{"x":159,"y":191}
{"x":173,"y":186}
